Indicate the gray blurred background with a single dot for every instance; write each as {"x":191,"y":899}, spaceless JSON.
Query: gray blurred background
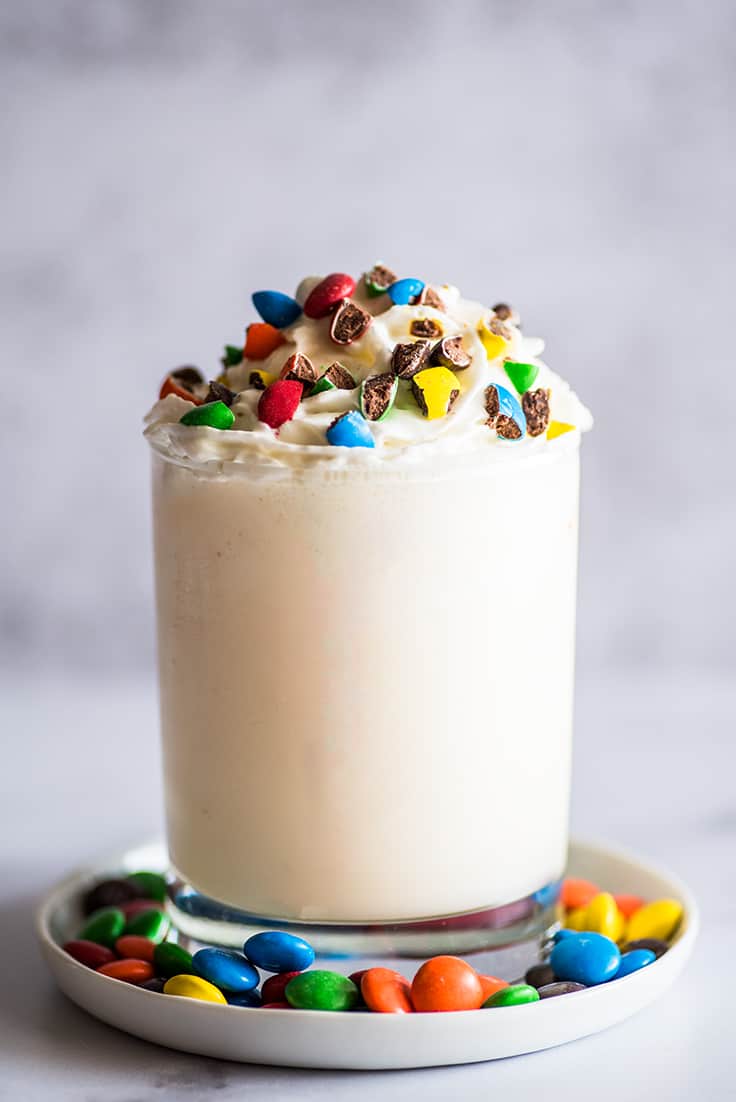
{"x":161,"y":160}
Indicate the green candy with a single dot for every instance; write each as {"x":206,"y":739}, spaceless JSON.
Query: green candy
{"x":322,"y":384}
{"x":170,"y":959}
{"x":215,"y":415}
{"x":151,"y":924}
{"x":377,"y":396}
{"x":103,"y":927}
{"x":521,"y":375}
{"x":322,"y":990}
{"x":233,"y":355}
{"x":516,"y":995}
{"x":152,"y":884}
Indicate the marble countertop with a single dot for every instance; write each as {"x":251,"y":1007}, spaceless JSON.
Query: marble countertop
{"x":653,"y":772}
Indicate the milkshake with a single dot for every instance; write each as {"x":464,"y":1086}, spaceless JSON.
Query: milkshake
{"x":366,"y":543}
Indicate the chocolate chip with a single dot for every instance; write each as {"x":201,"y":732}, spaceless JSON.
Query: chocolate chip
{"x":425,"y":327}
{"x":300,"y":368}
{"x":377,"y":395}
{"x":110,"y":893}
{"x":451,"y":352}
{"x":507,"y":428}
{"x":430,"y":297}
{"x":189,"y":377}
{"x":349,"y":322}
{"x":340,"y":377}
{"x":407,"y":359}
{"x":220,"y":393}
{"x":535,"y":404}
{"x":493,"y":405}
{"x":255,"y":379}
{"x":504,"y":312}
{"x":379,"y":279}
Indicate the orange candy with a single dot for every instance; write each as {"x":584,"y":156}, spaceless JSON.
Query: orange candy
{"x":628,"y":904}
{"x":130,"y":971}
{"x":446,"y":983}
{"x":577,"y":893}
{"x":136,"y":947}
{"x":261,"y":339}
{"x":490,"y":985}
{"x":170,"y":386}
{"x":386,"y":991}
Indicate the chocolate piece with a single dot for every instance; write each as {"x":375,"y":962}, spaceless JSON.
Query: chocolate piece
{"x":493,"y":405}
{"x":507,"y":428}
{"x":188,"y":377}
{"x":452,"y":353}
{"x":504,"y":312}
{"x":379,"y":279}
{"x":426,"y":327}
{"x":340,"y":377}
{"x":495,"y":325}
{"x":407,"y":359}
{"x":256,"y":380}
{"x":349,"y":322}
{"x":220,"y":393}
{"x":377,"y":395}
{"x":300,"y":368}
{"x":430,"y":297}
{"x":535,"y":404}
{"x":435,"y":382}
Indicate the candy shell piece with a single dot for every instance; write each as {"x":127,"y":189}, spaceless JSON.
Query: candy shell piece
{"x":151,"y":884}
{"x":408,"y":359}
{"x":349,"y":322}
{"x":276,"y":951}
{"x":330,"y":291}
{"x":495,"y":337}
{"x":558,"y":428}
{"x":273,"y":988}
{"x":217,"y":392}
{"x":378,"y":280}
{"x":386,"y":991}
{"x":489,"y":985}
{"x":603,"y":916}
{"x":135,"y":947}
{"x":435,"y":390}
{"x":243,"y":998}
{"x":226,"y":969}
{"x":515,"y":995}
{"x":152,"y":924}
{"x":589,"y":958}
{"x":446,"y":983}
{"x":633,"y":961}
{"x":259,"y":380}
{"x":214,"y":415}
{"x":183,"y":382}
{"x":110,"y":893}
{"x":350,"y":430}
{"x":194,"y":987}
{"x":505,"y":414}
{"x":89,"y":953}
{"x":279,"y":402}
{"x":232,"y":355}
{"x":322,"y":385}
{"x":658,"y":947}
{"x":129,"y":971}
{"x":451,"y":352}
{"x":276,"y":308}
{"x":170,"y":959}
{"x":261,"y":339}
{"x":299,"y":367}
{"x":321,"y":990}
{"x":628,"y":904}
{"x":521,"y":375}
{"x":659,"y":919}
{"x":404,"y":291}
{"x":561,"y":987}
{"x":104,"y":926}
{"x":377,"y":396}
{"x":577,"y":893}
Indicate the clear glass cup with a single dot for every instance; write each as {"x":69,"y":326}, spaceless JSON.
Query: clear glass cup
{"x":366,"y":681}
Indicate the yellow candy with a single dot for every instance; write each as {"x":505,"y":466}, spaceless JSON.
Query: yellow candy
{"x":558,"y":428}
{"x":603,"y":916}
{"x":659,"y":919}
{"x":261,"y":379}
{"x":494,"y":344}
{"x":575,"y":919}
{"x":433,"y":389}
{"x":194,"y":987}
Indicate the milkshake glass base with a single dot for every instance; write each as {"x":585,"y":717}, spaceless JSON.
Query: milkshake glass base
{"x":531,"y":919}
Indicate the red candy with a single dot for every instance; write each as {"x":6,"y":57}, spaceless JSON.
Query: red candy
{"x":130,"y":971}
{"x":446,"y":983}
{"x":276,"y":1006}
{"x":323,"y":298}
{"x":274,"y":987}
{"x":89,"y":953}
{"x":386,"y":991}
{"x":132,"y":945}
{"x":279,"y":402}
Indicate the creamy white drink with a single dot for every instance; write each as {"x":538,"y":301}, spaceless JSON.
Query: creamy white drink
{"x":367,"y":654}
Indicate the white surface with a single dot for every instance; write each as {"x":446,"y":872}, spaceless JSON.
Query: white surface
{"x":84,"y":777}
{"x":311,"y":1039}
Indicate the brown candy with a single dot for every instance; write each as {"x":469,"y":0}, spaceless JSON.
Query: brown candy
{"x":220,"y":393}
{"x":430,"y":297}
{"x":300,"y":368}
{"x":504,"y":312}
{"x":425,"y":327}
{"x":451,"y":352}
{"x":349,"y":322}
{"x":535,"y":404}
{"x":407,"y":359}
{"x":340,"y":377}
{"x":492,"y":405}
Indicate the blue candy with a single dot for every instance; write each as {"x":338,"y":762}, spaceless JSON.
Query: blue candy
{"x":276,"y":308}
{"x":243,"y":998}
{"x":350,"y":431}
{"x":545,"y":897}
{"x":404,"y":290}
{"x":633,"y":961}
{"x":225,"y":968}
{"x":509,"y":406}
{"x":586,"y":958}
{"x":560,"y":935}
{"x":275,"y":951}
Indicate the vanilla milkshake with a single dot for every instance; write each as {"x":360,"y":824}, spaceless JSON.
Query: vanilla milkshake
{"x":366,"y":647}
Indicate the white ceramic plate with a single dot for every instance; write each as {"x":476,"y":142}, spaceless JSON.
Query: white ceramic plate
{"x":318,"y":1039}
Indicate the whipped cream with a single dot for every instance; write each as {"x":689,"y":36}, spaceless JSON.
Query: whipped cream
{"x":404,"y":435}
